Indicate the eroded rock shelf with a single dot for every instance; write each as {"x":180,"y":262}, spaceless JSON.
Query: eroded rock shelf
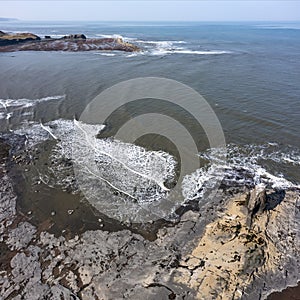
{"x":73,"y":43}
{"x":246,"y":248}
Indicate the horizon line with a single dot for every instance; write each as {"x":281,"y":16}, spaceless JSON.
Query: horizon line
{"x":181,"y":21}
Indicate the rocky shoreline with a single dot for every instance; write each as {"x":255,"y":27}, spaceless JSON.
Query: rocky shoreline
{"x":241,"y":245}
{"x":73,"y":43}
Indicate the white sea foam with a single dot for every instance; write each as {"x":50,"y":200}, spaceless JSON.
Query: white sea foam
{"x":160,"y":43}
{"x":110,"y":36}
{"x":182,"y":51}
{"x":105,"y":54}
{"x":116,"y":36}
{"x":279,"y":26}
{"x":27,"y":102}
{"x":137,"y":54}
{"x":9,"y":106}
{"x":114,"y":165}
{"x":186,"y":51}
{"x":129,"y":166}
{"x":114,"y":175}
{"x":245,"y":166}
{"x":8,"y":115}
{"x":160,"y":48}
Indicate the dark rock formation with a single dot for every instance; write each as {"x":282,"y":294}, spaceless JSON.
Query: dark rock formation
{"x":2,"y":33}
{"x":13,"y":39}
{"x":257,"y":203}
{"x":74,"y":42}
{"x":75,"y":36}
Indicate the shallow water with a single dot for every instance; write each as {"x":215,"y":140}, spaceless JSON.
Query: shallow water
{"x":248,"y":73}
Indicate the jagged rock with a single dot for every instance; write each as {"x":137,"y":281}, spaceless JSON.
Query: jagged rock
{"x":21,"y":236}
{"x":234,"y":261}
{"x":75,"y":36}
{"x":257,"y":202}
{"x":2,"y":33}
{"x":4,"y":149}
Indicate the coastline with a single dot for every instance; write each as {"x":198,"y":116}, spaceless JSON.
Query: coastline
{"x":60,"y":226}
{"x":228,"y":246}
{"x":289,"y":293}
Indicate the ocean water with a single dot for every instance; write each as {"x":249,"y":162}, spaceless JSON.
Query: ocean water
{"x":249,"y":74}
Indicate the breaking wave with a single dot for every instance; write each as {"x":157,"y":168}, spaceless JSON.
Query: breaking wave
{"x":105,"y":54}
{"x":246,"y":166}
{"x":124,"y":168}
{"x":8,"y":107}
{"x":160,"y":48}
{"x":120,"y":179}
{"x":186,"y":51}
{"x":116,"y":36}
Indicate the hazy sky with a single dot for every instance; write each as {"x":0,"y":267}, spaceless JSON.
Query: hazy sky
{"x":201,"y":10}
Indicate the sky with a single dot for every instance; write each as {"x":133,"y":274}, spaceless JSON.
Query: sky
{"x":197,"y":10}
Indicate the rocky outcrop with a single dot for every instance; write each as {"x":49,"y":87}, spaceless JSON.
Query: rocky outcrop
{"x":73,"y":42}
{"x":229,"y":261}
{"x":13,"y":39}
{"x":257,"y":203}
{"x":75,"y":36}
{"x":75,"y":45}
{"x":210,"y":254}
{"x":231,"y":258}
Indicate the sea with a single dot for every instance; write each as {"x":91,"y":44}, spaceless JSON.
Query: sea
{"x":203,"y":108}
{"x":247,"y":74}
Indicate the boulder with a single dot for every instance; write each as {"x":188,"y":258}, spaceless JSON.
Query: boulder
{"x":75,"y":36}
{"x":256,"y":203}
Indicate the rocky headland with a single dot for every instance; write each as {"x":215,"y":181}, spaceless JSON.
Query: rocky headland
{"x":240,"y":245}
{"x":75,"y":42}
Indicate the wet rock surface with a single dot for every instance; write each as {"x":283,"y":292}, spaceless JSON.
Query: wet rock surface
{"x":212,"y":253}
{"x":74,"y":43}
